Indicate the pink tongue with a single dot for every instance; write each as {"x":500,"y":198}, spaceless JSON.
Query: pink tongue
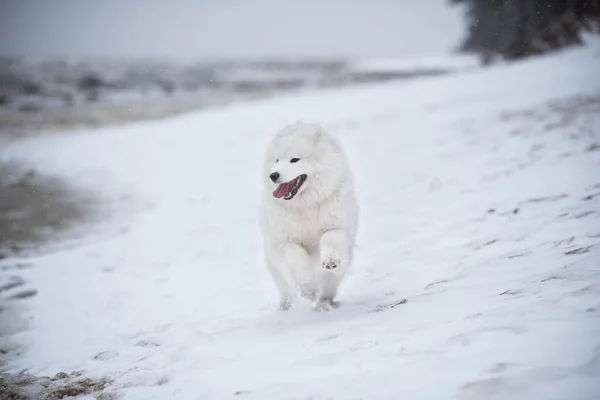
{"x":283,"y":190}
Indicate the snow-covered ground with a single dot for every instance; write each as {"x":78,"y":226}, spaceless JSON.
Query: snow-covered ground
{"x":418,"y":63}
{"x":480,"y":205}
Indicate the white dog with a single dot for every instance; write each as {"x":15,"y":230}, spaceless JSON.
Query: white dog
{"x":308,"y":215}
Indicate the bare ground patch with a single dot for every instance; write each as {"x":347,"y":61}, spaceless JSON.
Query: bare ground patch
{"x":61,"y":386}
{"x":35,"y":209}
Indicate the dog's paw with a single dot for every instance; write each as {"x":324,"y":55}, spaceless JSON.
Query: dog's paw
{"x":331,"y":263}
{"x":285,"y":303}
{"x":326,"y":304}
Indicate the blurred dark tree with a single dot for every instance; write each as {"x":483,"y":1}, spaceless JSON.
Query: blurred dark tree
{"x":31,"y":88}
{"x":514,"y":29}
{"x":90,"y":81}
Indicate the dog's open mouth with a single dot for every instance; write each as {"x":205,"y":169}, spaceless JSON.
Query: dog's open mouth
{"x":288,"y":190}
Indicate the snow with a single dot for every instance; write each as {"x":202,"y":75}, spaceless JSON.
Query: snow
{"x":479,"y":205}
{"x":423,"y":62}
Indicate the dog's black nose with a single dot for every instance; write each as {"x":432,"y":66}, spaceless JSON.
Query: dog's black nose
{"x":274,"y":176}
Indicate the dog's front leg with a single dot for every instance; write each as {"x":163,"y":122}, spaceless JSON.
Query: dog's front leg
{"x":296,"y":262}
{"x":333,"y":249}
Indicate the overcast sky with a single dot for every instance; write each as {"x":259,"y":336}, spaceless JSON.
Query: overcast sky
{"x":216,"y":29}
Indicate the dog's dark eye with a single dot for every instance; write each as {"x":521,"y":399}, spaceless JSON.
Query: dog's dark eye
{"x":277,"y":160}
{"x":294,"y":160}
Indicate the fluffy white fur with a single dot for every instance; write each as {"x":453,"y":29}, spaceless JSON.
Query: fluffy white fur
{"x":309,"y":239}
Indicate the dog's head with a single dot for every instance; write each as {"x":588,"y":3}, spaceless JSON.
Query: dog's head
{"x":303,"y":162}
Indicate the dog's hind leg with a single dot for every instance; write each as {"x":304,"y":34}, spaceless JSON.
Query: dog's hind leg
{"x":296,"y":262}
{"x":328,"y":282}
{"x":285,"y":299}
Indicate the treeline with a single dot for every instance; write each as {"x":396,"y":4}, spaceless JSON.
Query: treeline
{"x":515,"y":29}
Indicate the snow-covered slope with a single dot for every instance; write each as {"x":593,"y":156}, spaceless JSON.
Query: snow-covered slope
{"x":425,"y":62}
{"x":480,"y":205}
